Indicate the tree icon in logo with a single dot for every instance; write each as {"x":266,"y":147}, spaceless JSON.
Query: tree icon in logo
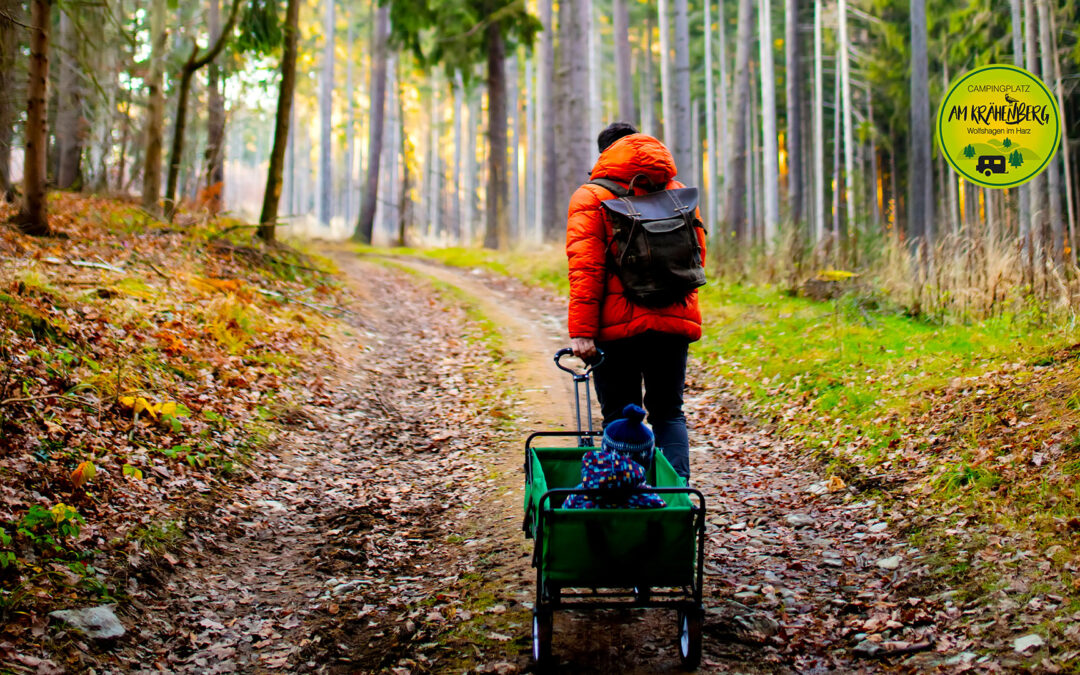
{"x":969,"y":151}
{"x":1016,"y":159}
{"x":1006,"y":143}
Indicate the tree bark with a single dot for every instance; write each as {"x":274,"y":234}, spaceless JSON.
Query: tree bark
{"x":377,"y":87}
{"x":723,"y":123}
{"x":1023,"y":192}
{"x":849,"y":133}
{"x":514,"y":122}
{"x":736,"y":205}
{"x":667,"y":103}
{"x":920,"y":169}
{"x":33,"y":217}
{"x":468,"y":215}
{"x":497,"y":224}
{"x":546,"y":198}
{"x":350,"y":123}
{"x":710,"y":122}
{"x":155,"y":110}
{"x":1037,"y":185}
{"x":819,"y":129}
{"x":1058,"y":86}
{"x":623,"y":80}
{"x":648,"y":86}
{"x":9,"y":44}
{"x":69,"y":115}
{"x":459,"y":155}
{"x":269,"y":215}
{"x":215,"y":123}
{"x":193,"y":64}
{"x":326,"y":122}
{"x":1053,"y":170}
{"x":682,"y":150}
{"x":794,"y":87}
{"x":435,"y":161}
{"x":769,"y":151}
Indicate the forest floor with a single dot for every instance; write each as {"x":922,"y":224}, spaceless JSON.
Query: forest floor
{"x":375,"y":527}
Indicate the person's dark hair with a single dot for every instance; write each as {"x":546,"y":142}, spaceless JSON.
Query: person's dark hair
{"x":613,"y":133}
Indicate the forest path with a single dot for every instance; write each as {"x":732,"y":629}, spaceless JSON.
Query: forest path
{"x":797,"y":575}
{"x":381,"y":532}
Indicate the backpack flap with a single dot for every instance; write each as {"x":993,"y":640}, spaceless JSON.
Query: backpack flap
{"x":655,"y":205}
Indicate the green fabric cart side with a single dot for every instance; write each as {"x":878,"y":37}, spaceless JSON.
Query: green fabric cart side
{"x":612,"y":547}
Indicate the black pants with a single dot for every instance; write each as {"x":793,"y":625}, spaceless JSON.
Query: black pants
{"x":658,"y":359}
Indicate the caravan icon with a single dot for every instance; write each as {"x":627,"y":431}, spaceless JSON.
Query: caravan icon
{"x":989,"y":164}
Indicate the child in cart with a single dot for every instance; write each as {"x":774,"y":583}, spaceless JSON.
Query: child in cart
{"x":625,"y":453}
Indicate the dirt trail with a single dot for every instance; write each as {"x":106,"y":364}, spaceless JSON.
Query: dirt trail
{"x":382,"y":532}
{"x":800,"y":574}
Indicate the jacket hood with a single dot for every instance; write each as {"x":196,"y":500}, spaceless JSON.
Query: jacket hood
{"x":636,"y":154}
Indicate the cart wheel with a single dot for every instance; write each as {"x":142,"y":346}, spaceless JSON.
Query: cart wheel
{"x":542,"y":629}
{"x":690,"y":638}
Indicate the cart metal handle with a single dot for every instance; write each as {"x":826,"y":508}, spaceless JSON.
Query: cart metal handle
{"x":584,"y":375}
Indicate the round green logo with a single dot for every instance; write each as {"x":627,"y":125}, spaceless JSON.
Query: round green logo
{"x":999,"y":126}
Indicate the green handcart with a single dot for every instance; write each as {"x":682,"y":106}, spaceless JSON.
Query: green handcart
{"x":610,"y":557}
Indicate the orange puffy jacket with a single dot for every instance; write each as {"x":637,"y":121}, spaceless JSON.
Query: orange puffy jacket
{"x":598,"y":308}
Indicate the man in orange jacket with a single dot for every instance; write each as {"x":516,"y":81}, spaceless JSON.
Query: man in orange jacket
{"x":640,"y":343}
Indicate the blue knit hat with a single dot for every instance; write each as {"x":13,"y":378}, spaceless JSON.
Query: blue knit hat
{"x":628,"y":436}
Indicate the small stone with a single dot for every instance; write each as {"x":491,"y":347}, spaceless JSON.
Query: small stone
{"x":799,"y":520}
{"x":99,"y":623}
{"x":879,"y":526}
{"x":889,"y":563}
{"x":866,"y":649}
{"x":1028,"y":642}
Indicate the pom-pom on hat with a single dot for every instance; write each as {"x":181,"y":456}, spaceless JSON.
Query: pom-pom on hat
{"x":628,"y":435}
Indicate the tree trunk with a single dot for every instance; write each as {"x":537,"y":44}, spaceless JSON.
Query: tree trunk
{"x":684,"y":158}
{"x":377,"y":87}
{"x":155,"y":109}
{"x":194,"y":63}
{"x":434,"y":191}
{"x":723,"y":123}
{"x":592,"y":66}
{"x":1058,"y":86}
{"x":69,"y":115}
{"x":920,"y":170}
{"x":1037,"y":185}
{"x":736,"y":209}
{"x":794,"y":87}
{"x":514,"y":122}
{"x":667,"y":103}
{"x":819,"y":129}
{"x":9,"y":45}
{"x":710,"y":122}
{"x":1023,"y":192}
{"x":272,"y":195}
{"x":771,"y":183}
{"x":1053,"y":170}
{"x":459,"y":154}
{"x":215,"y":123}
{"x":546,"y":197}
{"x":525,"y":186}
{"x":497,"y":223}
{"x":468,"y":215}
{"x":623,"y":80}
{"x":326,"y":121}
{"x":837,"y":234}
{"x":350,"y":123}
{"x":849,"y":134}
{"x":648,"y":86}
{"x":33,"y":218}
{"x":392,"y":141}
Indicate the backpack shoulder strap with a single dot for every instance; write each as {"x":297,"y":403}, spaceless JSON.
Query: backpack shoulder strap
{"x":611,"y":186}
